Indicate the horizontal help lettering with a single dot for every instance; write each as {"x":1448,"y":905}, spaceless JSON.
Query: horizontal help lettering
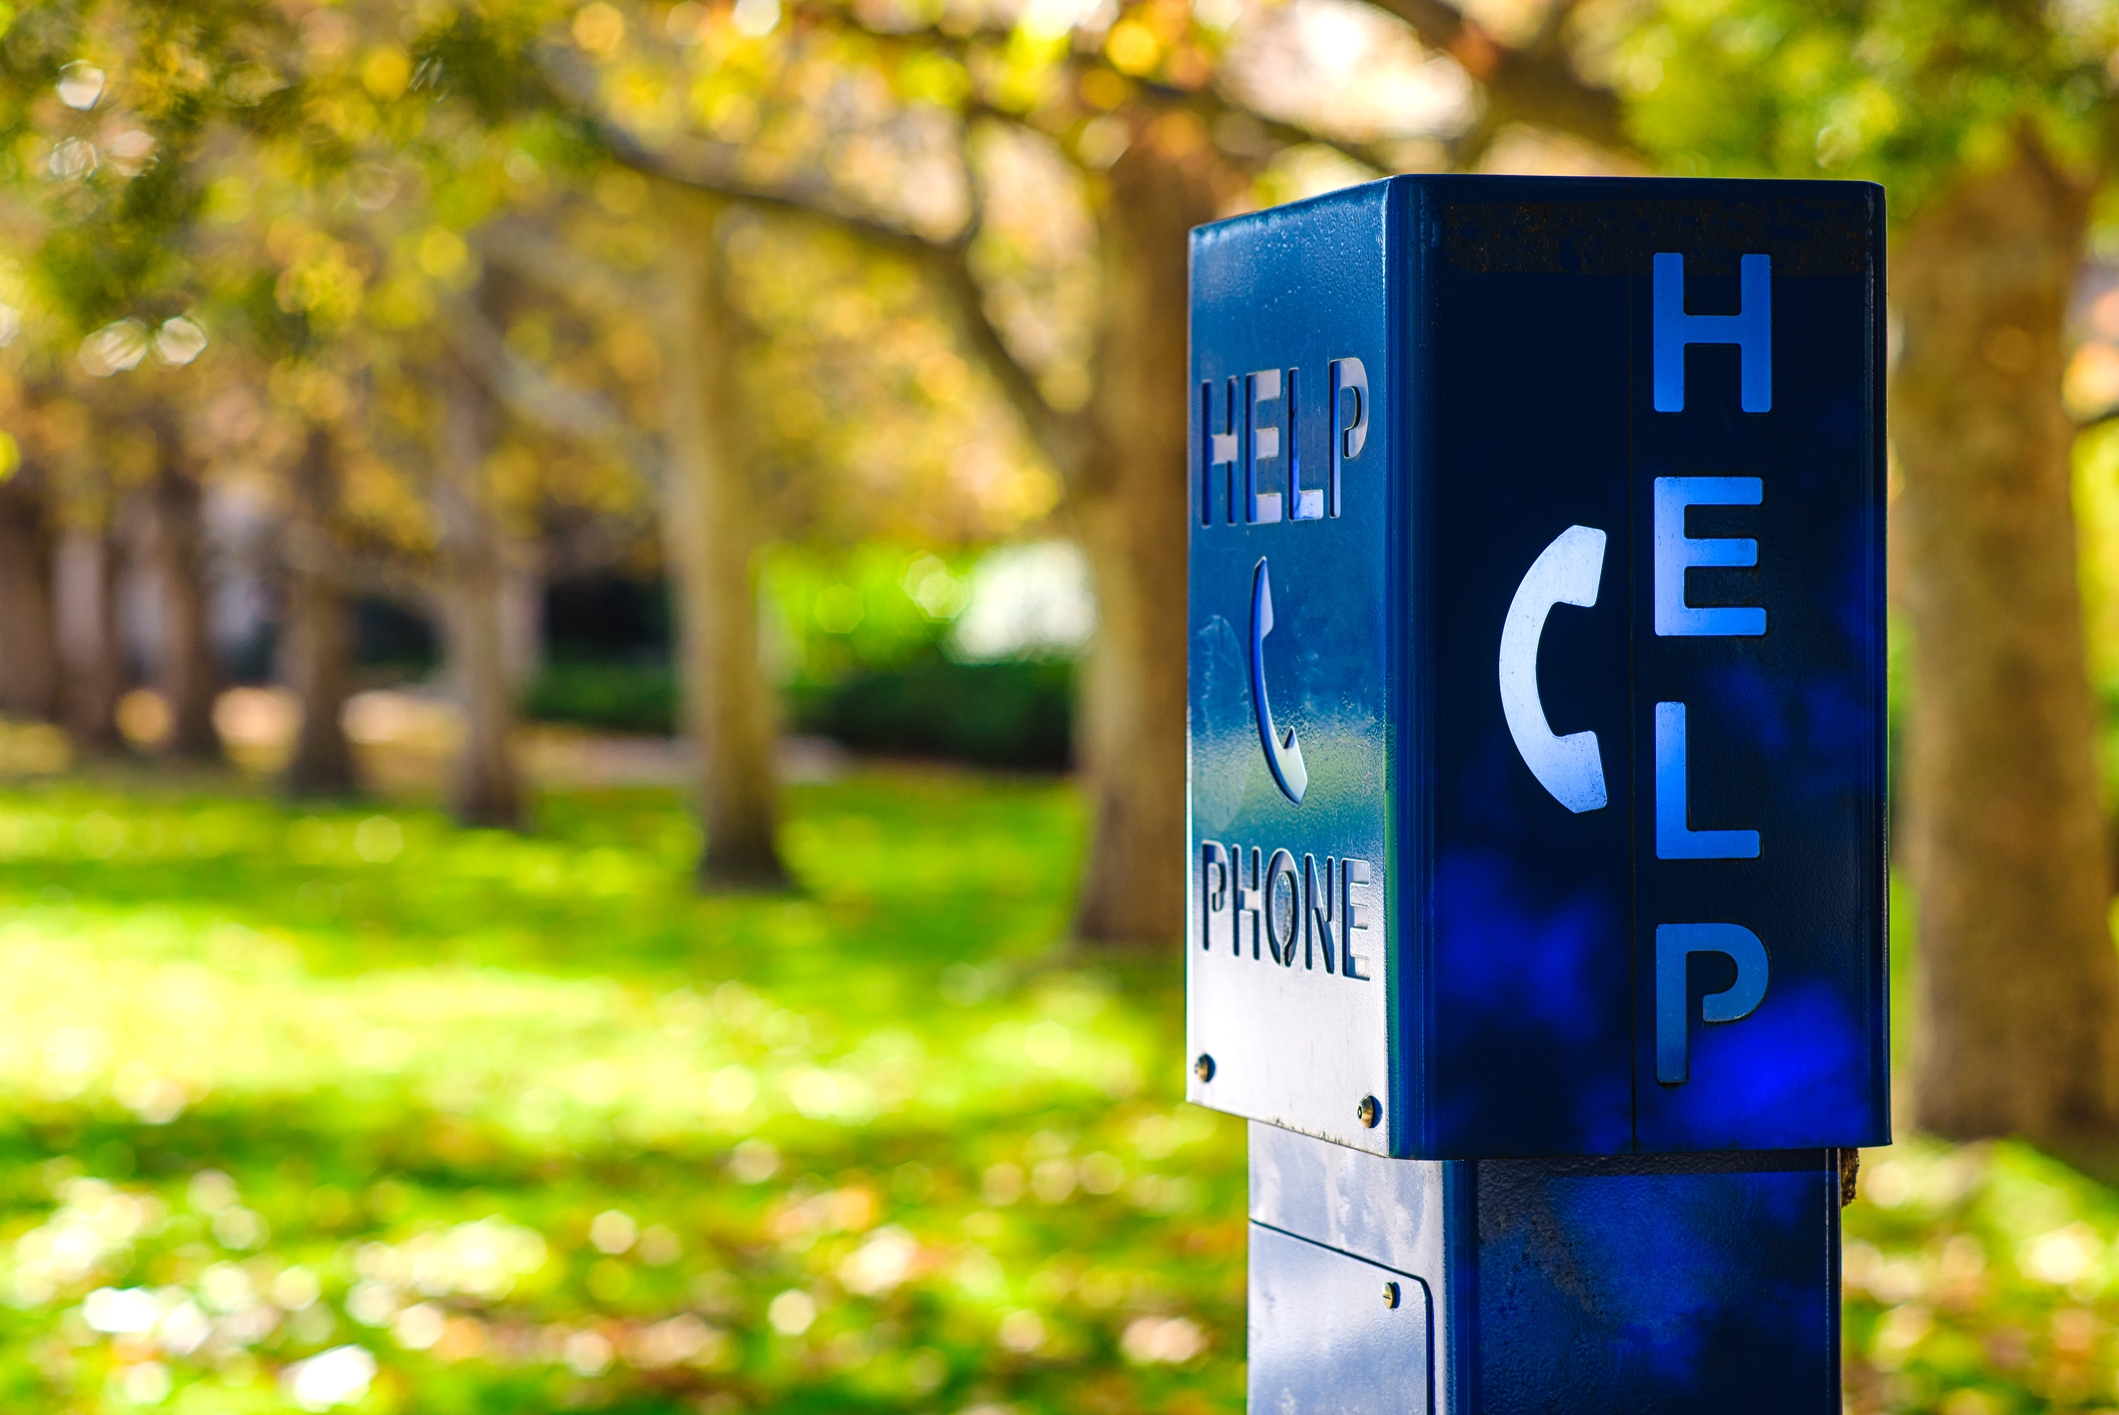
{"x":1304,"y":909}
{"x":1249,"y":452}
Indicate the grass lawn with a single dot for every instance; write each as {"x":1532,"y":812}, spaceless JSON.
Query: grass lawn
{"x":346,"y":1108}
{"x":539,"y":1129}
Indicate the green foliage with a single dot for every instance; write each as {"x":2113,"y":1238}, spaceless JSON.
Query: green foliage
{"x":617,"y":697}
{"x":1894,"y":91}
{"x":997,"y":714}
{"x":256,"y":1057}
{"x":868,"y":652}
{"x":872,"y":606}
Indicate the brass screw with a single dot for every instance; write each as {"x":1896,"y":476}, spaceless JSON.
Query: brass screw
{"x":1390,"y":1295}
{"x":1203,"y":1068}
{"x":1369,"y":1111}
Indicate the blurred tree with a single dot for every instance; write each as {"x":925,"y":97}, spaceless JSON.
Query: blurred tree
{"x":305,"y":175}
{"x":1121,"y":457}
{"x":710,"y":515}
{"x":318,"y":625}
{"x":85,"y":564}
{"x":30,"y":686}
{"x":1996,"y":129}
{"x":1131,"y":111}
{"x":899,"y":124}
{"x":186,"y":672}
{"x":484,"y":788}
{"x":108,"y":193}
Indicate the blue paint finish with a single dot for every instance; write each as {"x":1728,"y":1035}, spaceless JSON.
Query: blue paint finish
{"x":1528,"y":952}
{"x":1482,"y":368}
{"x":1654,"y":1284}
{"x":1326,"y":670}
{"x":1785,"y":730}
{"x":1642,"y":1285}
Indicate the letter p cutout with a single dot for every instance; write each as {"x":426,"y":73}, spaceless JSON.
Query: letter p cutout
{"x":1674,"y":943}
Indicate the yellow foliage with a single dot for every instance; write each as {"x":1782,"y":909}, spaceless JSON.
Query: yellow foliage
{"x":599,"y":29}
{"x":2097,"y":533}
{"x":386,"y":72}
{"x":442,"y":253}
{"x":1132,"y":47}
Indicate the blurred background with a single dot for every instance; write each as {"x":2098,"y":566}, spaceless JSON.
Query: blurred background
{"x":592,"y":659}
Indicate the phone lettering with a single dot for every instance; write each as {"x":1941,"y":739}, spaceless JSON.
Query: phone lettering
{"x":1307,"y":910}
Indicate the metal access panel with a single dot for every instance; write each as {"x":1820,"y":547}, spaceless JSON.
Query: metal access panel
{"x":1330,"y":1332}
{"x":1537,"y":667}
{"x":1633,"y":1285}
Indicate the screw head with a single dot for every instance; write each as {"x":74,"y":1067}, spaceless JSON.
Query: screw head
{"x":1203,"y":1068}
{"x":1369,"y":1112}
{"x":1390,"y":1294}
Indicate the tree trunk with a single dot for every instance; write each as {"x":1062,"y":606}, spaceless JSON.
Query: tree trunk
{"x":484,"y":788}
{"x":2019,"y":985}
{"x":1129,"y":501}
{"x":521,"y":622}
{"x":186,"y":674}
{"x":85,"y":616}
{"x":29,"y":686}
{"x":319,"y":632}
{"x":711,"y":521}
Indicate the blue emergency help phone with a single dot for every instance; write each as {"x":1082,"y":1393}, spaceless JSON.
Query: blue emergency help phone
{"x":1537,"y":684}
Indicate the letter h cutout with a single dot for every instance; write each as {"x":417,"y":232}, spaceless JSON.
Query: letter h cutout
{"x":1218,"y":450}
{"x":1750,"y":329}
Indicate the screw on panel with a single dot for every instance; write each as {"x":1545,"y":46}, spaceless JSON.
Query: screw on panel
{"x":1390,"y":1295}
{"x":1203,"y":1068}
{"x":1369,"y":1111}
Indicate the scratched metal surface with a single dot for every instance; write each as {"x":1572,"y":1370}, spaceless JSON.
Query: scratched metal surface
{"x":1323,"y":1341}
{"x":1508,"y":330}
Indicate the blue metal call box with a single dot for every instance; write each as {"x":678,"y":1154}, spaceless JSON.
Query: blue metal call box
{"x":1537,"y":667}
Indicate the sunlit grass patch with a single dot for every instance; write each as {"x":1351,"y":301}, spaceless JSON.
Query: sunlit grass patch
{"x":347,"y":1107}
{"x":1980,"y":1279}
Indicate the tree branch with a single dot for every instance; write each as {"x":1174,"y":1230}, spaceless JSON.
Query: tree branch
{"x":715,"y":168}
{"x":1536,"y":84}
{"x":1057,"y":434}
{"x":537,"y":398}
{"x":531,"y":249}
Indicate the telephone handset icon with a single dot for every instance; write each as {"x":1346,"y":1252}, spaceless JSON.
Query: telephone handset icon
{"x":1566,"y":572}
{"x":1283,"y":753}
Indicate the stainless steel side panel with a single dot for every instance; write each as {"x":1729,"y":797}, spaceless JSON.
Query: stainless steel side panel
{"x":1387,"y":1211}
{"x":1324,"y":1338}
